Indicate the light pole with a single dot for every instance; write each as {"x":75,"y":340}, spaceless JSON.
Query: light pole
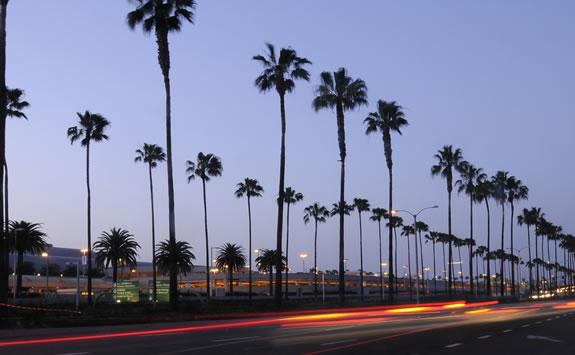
{"x":345,"y":265}
{"x":45,"y":255}
{"x":427,"y":278}
{"x":84,"y":251}
{"x":77,"y":263}
{"x":414,"y":215}
{"x":257,"y":252}
{"x":382,"y":277}
{"x":14,"y":259}
{"x":303,"y":256}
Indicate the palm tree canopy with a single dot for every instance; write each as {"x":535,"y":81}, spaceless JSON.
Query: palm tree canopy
{"x":180,"y":250}
{"x":339,"y":88}
{"x":316,"y":212}
{"x":250,"y":188}
{"x":361,"y":205}
{"x":483,"y":189}
{"x":30,"y":238}
{"x":166,"y":15}
{"x":267,"y":261}
{"x":447,"y":160}
{"x":470,"y":175}
{"x":291,"y":196}
{"x":150,"y":154}
{"x":231,"y":256}
{"x":500,"y":180}
{"x":407,"y":230}
{"x":480,"y":250}
{"x":338,"y":208}
{"x":389,"y":117}
{"x":432,"y":237}
{"x":15,"y":105}
{"x":115,"y":245}
{"x":395,"y":222}
{"x":516,"y":190}
{"x":378,"y":213}
{"x":280,"y":73}
{"x":91,"y":127}
{"x":207,"y":165}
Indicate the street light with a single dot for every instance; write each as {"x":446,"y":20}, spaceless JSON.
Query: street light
{"x":45,"y":255}
{"x":84,"y":251}
{"x":414,"y":215}
{"x":345,"y":265}
{"x":303,"y":256}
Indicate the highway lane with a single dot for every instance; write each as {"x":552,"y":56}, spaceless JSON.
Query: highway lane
{"x":417,"y":329}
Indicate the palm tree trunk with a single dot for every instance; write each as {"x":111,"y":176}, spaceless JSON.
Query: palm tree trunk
{"x":278,"y":294}
{"x":89,"y":213}
{"x":4,"y":256}
{"x":250,"y":246}
{"x":164,"y":61}
{"x":154,"y":291}
{"x":444,"y":266}
{"x":342,"y":154}
{"x":207,"y":244}
{"x":381,"y":278}
{"x":360,"y":258}
{"x":556,"y":271}
{"x":422,"y":267}
{"x":409,"y":266}
{"x":512,"y":251}
{"x":391,"y":279}
{"x":488,"y":279}
{"x":287,"y":249}
{"x":537,"y":266}
{"x":271,"y":281}
{"x":471,"y":244}
{"x":461,"y":269}
{"x":114,"y":272}
{"x":502,"y":248}
{"x":450,"y":260}
{"x":396,"y":278}
{"x":530,"y":263}
{"x":434,"y":271}
{"x":315,"y":263}
{"x":549,"y":261}
{"x":18,"y":272}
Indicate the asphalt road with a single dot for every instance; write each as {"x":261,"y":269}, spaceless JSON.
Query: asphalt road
{"x":528,"y":328}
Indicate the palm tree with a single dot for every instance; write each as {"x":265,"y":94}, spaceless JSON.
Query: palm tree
{"x":529,"y":218}
{"x":444,"y":238}
{"x":406,"y":232}
{"x":447,"y":160}
{"x":341,"y":92}
{"x":516,"y":191}
{"x":163,"y":17}
{"x":25,"y":237}
{"x":279,"y":74}
{"x":394,"y":222}
{"x":266,"y":262}
{"x":483,"y":192}
{"x":249,"y":188}
{"x":151,"y":154}
{"x":421,"y":227}
{"x":3,"y":107}
{"x":458,"y":243}
{"x":91,"y":127}
{"x":231,"y":258}
{"x":469,"y":177}
{"x":361,"y":205}
{"x":115,"y":246}
{"x":500,"y":182}
{"x":290,"y":197}
{"x":378,"y":214}
{"x":479,"y":252}
{"x":433,"y":237}
{"x":205,"y":167}
{"x":388,"y":118}
{"x":319,"y":214}
{"x":180,"y":252}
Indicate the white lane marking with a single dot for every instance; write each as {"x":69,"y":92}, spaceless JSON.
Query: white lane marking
{"x":338,"y":342}
{"x":537,"y":337}
{"x":507,"y":330}
{"x":234,"y":339}
{"x":524,"y":325}
{"x":75,"y":353}
{"x":557,"y":317}
{"x":538,"y":322}
{"x":484,"y":337}
{"x":548,"y":319}
{"x":453,"y":345}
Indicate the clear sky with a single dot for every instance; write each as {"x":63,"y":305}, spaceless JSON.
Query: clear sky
{"x":493,"y":78}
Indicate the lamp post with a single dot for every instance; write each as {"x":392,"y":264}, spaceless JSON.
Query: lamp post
{"x":84,"y":251}
{"x":414,"y":215}
{"x":382,"y":278}
{"x":426,"y":269}
{"x":77,"y":263}
{"x":345,"y":265}
{"x":45,"y":255}
{"x":303,"y":256}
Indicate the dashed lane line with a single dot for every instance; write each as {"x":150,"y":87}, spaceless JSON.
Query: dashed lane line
{"x":484,"y":337}
{"x":507,"y":330}
{"x":453,"y":345}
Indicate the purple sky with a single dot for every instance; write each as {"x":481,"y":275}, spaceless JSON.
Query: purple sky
{"x":493,"y":78}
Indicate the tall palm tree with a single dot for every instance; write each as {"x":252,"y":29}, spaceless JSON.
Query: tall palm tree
{"x":115,"y":246}
{"x":467,"y":184}
{"x":280,"y":74}
{"x":516,"y":191}
{"x":25,"y":237}
{"x":205,"y":167}
{"x":388,"y":118}
{"x":458,"y":243}
{"x":267,"y":261}
{"x":319,"y":214}
{"x":500,"y":183}
{"x":151,"y":154}
{"x":249,"y":188}
{"x":91,"y":128}
{"x":483,"y":192}
{"x":377,"y":215}
{"x":433,"y":237}
{"x":421,"y":227}
{"x":447,"y":160}
{"x":406,"y":232}
{"x":3,"y":242}
{"x":231,"y":258}
{"x":163,"y":17}
{"x":361,"y":205}
{"x":181,"y":254}
{"x":343,"y":93}
{"x":290,"y":197}
{"x":394,"y":222}
{"x":529,"y":218}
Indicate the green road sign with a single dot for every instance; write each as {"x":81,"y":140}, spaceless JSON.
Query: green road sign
{"x":127,"y":291}
{"x":162,"y":291}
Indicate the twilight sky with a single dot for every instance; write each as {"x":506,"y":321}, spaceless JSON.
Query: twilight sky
{"x":493,"y":78}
